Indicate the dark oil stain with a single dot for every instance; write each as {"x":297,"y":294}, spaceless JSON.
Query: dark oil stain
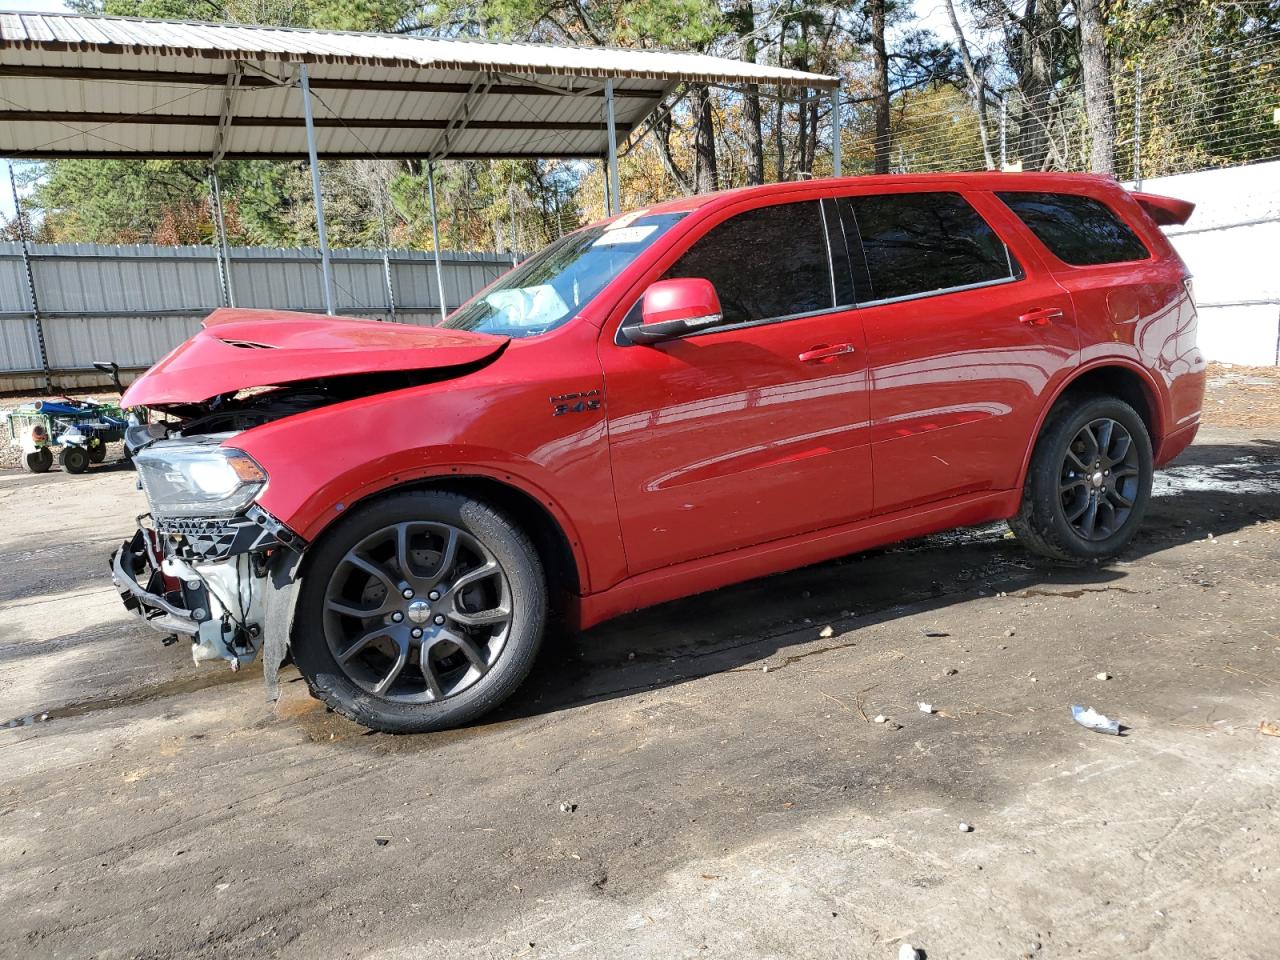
{"x":1073,"y":594}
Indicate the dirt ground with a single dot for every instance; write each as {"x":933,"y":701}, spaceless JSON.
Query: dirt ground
{"x":725,"y":789}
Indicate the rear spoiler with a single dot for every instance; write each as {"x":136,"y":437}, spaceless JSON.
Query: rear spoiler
{"x":1166,"y":211}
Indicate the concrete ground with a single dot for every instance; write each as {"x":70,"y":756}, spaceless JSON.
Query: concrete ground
{"x":726,"y":790}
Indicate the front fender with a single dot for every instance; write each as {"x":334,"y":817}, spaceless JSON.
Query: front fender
{"x":323,"y":462}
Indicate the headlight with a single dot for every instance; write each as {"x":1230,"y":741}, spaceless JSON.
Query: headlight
{"x":183,"y":480}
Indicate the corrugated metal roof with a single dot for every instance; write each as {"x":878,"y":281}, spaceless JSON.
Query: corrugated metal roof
{"x":129,"y":36}
{"x":116,"y":86}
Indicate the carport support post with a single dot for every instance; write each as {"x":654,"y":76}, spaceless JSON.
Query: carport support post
{"x":837,"y":139}
{"x":326,"y":267}
{"x":615,"y":198}
{"x":435,"y":237}
{"x":31,"y":281}
{"x":224,"y":253}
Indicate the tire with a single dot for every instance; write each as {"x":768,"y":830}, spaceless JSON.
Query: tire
{"x":98,"y":452}
{"x":1073,"y":479}
{"x":366,"y":665}
{"x":74,"y":459}
{"x":38,"y":461}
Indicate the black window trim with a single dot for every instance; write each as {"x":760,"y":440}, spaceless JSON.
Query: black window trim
{"x":826,"y":242}
{"x":1020,"y":276}
{"x":621,"y":339}
{"x":1014,"y":276}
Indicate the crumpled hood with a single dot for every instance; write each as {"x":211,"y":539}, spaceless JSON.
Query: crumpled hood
{"x":238,"y":349}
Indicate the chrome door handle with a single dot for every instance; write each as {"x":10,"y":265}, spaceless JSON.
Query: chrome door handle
{"x":823,"y":352}
{"x":1039,"y":318}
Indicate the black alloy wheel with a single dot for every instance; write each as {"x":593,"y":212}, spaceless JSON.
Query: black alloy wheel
{"x":1089,"y":481}
{"x":419,"y":612}
{"x":1100,"y":479}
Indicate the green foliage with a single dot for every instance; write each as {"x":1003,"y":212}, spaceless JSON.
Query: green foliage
{"x":1210,"y":81}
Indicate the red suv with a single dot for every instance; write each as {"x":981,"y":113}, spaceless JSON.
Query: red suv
{"x":673,"y":400}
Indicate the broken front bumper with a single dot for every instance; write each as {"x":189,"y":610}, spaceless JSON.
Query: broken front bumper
{"x":167,"y":610}
{"x":208,"y":580}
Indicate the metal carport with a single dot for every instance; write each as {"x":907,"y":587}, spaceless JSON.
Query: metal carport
{"x":116,"y":87}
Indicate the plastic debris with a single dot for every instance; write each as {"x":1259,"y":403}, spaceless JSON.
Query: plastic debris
{"x":880,"y":718}
{"x":826,"y":633}
{"x":1104,"y":675}
{"x":966,"y":827}
{"x":908,"y":952}
{"x":1088,"y":717}
{"x":1269,"y":728}
{"x":567,"y":807}
{"x":936,"y":633}
{"x":382,"y":841}
{"x":925,"y":707}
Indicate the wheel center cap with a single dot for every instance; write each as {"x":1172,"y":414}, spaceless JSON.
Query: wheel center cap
{"x":1096,"y":478}
{"x":419,"y":611}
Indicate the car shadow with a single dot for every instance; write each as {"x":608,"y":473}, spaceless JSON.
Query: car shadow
{"x":1215,"y":489}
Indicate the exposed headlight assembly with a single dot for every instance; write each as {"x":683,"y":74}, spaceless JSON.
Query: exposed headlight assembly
{"x":190,"y":480}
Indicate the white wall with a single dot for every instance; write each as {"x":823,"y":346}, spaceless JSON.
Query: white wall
{"x":1233,"y":257}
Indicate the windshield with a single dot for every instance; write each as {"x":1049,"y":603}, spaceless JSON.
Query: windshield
{"x":554,"y":284}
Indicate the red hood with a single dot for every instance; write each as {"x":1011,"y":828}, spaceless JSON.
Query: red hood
{"x":262,"y":348}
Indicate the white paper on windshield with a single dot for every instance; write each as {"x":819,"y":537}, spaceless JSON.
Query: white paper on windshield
{"x":612,"y":238}
{"x":528,"y":306}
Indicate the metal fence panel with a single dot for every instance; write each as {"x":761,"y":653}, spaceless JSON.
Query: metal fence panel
{"x":132,"y":304}
{"x":19,"y":349}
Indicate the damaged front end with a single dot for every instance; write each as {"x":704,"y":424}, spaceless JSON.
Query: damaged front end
{"x":207,"y":563}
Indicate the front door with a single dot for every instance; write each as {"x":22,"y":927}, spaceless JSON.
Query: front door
{"x":755,"y":429}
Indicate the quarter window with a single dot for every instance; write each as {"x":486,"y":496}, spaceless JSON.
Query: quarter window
{"x":920,"y":243}
{"x":765,"y":263}
{"x":1078,"y":230}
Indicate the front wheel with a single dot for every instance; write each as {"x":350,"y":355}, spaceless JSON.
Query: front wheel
{"x":420,"y":612}
{"x":74,"y":459}
{"x":1089,"y":482}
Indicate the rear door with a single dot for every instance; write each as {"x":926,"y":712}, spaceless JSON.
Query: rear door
{"x":755,"y":429}
{"x":964,"y":334}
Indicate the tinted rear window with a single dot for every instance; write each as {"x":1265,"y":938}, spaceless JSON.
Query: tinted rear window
{"x":919,"y":243}
{"x":1078,"y":230}
{"x":764,"y":263}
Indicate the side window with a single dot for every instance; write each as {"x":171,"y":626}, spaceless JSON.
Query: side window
{"x":918,"y":243}
{"x":764,"y":263}
{"x":1078,"y":230}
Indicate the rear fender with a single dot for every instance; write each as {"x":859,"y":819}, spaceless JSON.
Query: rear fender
{"x":1154,"y":396}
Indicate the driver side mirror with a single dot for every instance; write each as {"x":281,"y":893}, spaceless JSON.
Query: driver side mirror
{"x":675,"y":308}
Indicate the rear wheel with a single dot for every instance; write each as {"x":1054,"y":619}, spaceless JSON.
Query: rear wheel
{"x":421,"y":612}
{"x":74,"y":459}
{"x":97,"y":452}
{"x":1089,"y":482}
{"x":38,"y":461}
